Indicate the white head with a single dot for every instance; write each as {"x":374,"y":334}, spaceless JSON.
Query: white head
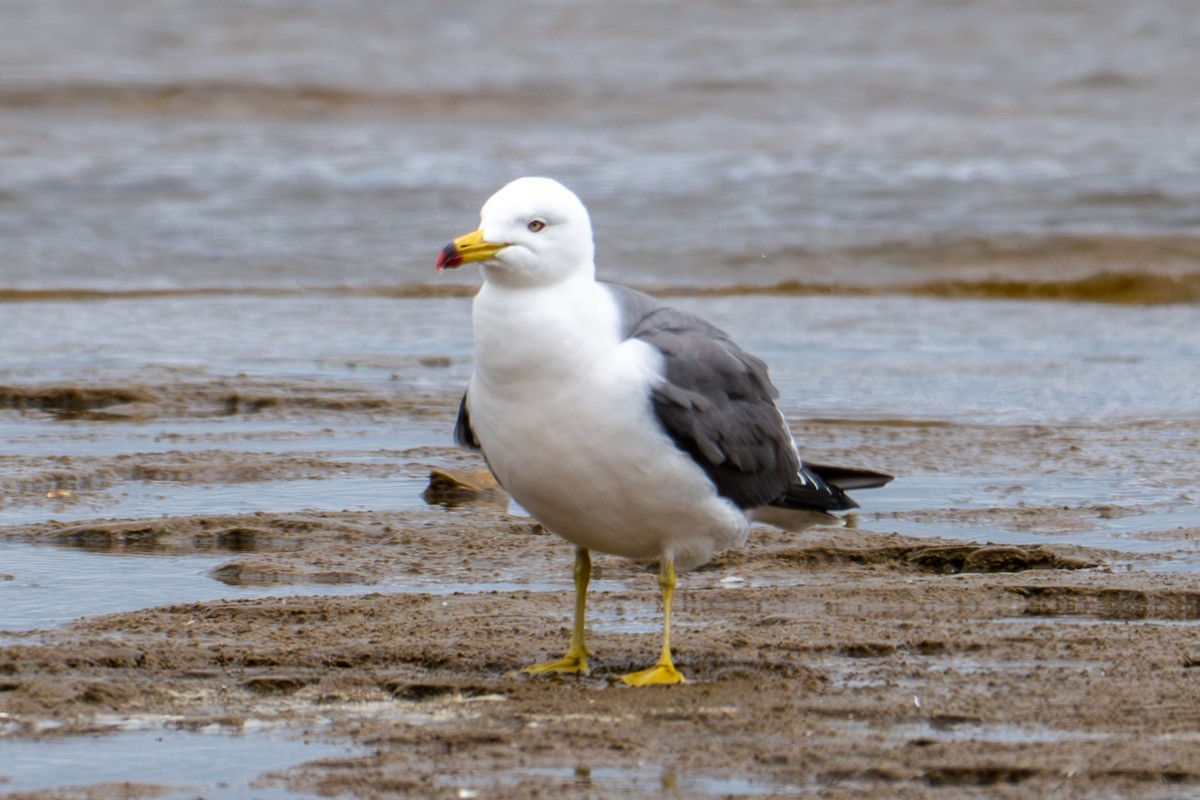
{"x":533,"y":232}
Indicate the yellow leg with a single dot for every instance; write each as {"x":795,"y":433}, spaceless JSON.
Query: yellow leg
{"x":576,"y":658}
{"x":664,"y":671}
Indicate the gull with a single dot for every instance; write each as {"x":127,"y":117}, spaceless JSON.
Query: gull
{"x":621,"y":424}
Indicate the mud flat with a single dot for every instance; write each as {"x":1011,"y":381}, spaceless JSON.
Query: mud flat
{"x":841,"y":663}
{"x":248,"y":558}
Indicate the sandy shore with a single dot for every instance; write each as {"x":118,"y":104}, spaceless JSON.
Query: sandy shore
{"x":840,"y":663}
{"x":844,"y":662}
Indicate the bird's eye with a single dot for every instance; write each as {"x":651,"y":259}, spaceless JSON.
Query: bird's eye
{"x":536,"y":226}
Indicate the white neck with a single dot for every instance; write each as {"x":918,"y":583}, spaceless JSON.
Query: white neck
{"x":556,"y":330}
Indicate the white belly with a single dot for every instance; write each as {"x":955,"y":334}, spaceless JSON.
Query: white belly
{"x":575,"y":442}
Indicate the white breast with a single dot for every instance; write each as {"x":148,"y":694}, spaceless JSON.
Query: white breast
{"x":561,"y":406}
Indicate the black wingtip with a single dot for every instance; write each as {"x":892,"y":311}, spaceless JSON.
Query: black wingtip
{"x":464,"y":436}
{"x":823,"y":488}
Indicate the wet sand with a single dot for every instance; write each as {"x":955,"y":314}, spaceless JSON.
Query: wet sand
{"x":1045,"y":646}
{"x":838,"y":662}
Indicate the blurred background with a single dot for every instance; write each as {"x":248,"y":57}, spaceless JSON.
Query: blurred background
{"x":288,"y":144}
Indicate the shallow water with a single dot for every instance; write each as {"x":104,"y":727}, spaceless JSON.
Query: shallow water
{"x":888,"y":357}
{"x":376,"y":342}
{"x":227,"y":144}
{"x":44,"y":586}
{"x":239,"y":407}
{"x":970,"y":361}
{"x":180,"y":763}
{"x":644,"y":781}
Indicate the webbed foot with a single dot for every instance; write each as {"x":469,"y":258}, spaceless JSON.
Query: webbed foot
{"x":570,"y":663}
{"x":658,"y":675}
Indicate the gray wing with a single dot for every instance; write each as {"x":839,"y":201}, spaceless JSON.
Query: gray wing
{"x":717,"y":403}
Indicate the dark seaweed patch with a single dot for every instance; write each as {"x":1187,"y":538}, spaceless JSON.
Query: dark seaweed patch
{"x":948,"y":559}
{"x":1109,"y":603}
{"x":72,"y":401}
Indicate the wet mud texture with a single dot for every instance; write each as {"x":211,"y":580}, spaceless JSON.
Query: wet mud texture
{"x":837,"y":662}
